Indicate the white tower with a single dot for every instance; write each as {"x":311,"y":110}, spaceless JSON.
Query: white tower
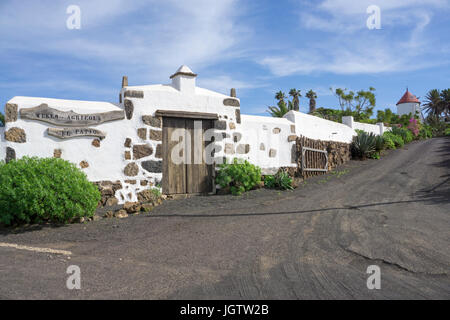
{"x":409,"y":104}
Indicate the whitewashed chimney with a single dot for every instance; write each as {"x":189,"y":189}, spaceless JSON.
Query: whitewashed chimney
{"x":184,"y":80}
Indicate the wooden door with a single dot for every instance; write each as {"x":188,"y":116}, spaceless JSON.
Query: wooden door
{"x":174,"y":174}
{"x":193,"y":175}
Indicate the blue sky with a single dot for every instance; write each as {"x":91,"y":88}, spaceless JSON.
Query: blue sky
{"x":258,"y":47}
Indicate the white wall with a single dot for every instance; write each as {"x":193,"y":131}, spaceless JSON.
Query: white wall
{"x":108,"y":161}
{"x":317,"y":128}
{"x":105,"y":163}
{"x":259,"y":131}
{"x":377,"y":129}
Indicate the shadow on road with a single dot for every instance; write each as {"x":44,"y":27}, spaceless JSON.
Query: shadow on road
{"x":350,"y":207}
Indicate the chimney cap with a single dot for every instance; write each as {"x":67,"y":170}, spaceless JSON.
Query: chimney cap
{"x":183,"y":71}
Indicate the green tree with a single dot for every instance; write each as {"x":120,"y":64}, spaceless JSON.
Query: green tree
{"x":281,"y":109}
{"x":312,"y":96}
{"x":445,"y":96}
{"x":295,"y":94}
{"x":2,"y":120}
{"x":361,"y":103}
{"x":434,"y":104}
{"x":385,"y":116}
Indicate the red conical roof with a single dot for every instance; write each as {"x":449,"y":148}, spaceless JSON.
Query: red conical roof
{"x":407,"y":98}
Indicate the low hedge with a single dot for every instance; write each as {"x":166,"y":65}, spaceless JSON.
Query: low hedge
{"x":36,"y":190}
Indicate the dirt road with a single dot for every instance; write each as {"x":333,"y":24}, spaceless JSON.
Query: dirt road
{"x":314,"y":242}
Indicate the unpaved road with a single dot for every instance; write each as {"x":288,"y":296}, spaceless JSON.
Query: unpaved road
{"x":314,"y":242}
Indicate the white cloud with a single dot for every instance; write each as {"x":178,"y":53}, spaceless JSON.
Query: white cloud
{"x":147,"y":38}
{"x":348,"y":7}
{"x":346,"y":46}
{"x":348,"y":16}
{"x":224,"y":83}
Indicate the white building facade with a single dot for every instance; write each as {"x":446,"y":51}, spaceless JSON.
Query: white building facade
{"x":136,"y":144}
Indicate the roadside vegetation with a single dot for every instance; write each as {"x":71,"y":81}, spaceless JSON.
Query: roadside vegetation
{"x":281,"y":181}
{"x":367,"y":145}
{"x":240,"y":176}
{"x":38,"y":190}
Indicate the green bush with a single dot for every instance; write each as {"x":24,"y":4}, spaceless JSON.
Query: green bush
{"x":34,"y":190}
{"x":239,"y":176}
{"x":363,"y":145}
{"x":375,"y":155}
{"x":425,"y":132}
{"x":388,"y":141}
{"x":281,"y":180}
{"x":404,"y":133}
{"x":398,"y":140}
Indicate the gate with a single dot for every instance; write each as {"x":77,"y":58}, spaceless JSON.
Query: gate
{"x":314,"y":159}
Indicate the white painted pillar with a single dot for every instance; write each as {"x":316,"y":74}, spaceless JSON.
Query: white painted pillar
{"x":381,"y":125}
{"x":348,"y":120}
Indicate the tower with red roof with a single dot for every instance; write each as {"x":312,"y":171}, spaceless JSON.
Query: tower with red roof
{"x":409,"y":104}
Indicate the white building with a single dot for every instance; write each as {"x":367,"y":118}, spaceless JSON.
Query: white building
{"x":136,"y":143}
{"x":409,"y":104}
{"x":130,"y":143}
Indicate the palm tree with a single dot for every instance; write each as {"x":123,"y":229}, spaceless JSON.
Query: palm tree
{"x":282,"y":109}
{"x":445,"y":96}
{"x":434,"y":104}
{"x":295,"y":94}
{"x":312,"y":96}
{"x":280,"y":96}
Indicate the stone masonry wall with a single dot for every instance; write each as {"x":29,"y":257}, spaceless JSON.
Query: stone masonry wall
{"x":338,"y":154}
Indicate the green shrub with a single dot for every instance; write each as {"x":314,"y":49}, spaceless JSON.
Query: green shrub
{"x":425,"y":132}
{"x":240,"y":176}
{"x":375,"y":155}
{"x":447,"y":132}
{"x":404,"y":133}
{"x":363,"y":145}
{"x":388,"y":141}
{"x":281,"y":180}
{"x":398,"y":140}
{"x":156,"y":192}
{"x":34,"y":190}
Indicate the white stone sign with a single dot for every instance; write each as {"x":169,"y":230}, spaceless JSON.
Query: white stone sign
{"x":68,"y":118}
{"x":66,"y":133}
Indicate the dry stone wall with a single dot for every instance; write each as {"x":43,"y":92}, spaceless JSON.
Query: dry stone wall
{"x":338,"y":154}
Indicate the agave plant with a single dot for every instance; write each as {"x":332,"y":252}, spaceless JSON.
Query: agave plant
{"x":364,"y":144}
